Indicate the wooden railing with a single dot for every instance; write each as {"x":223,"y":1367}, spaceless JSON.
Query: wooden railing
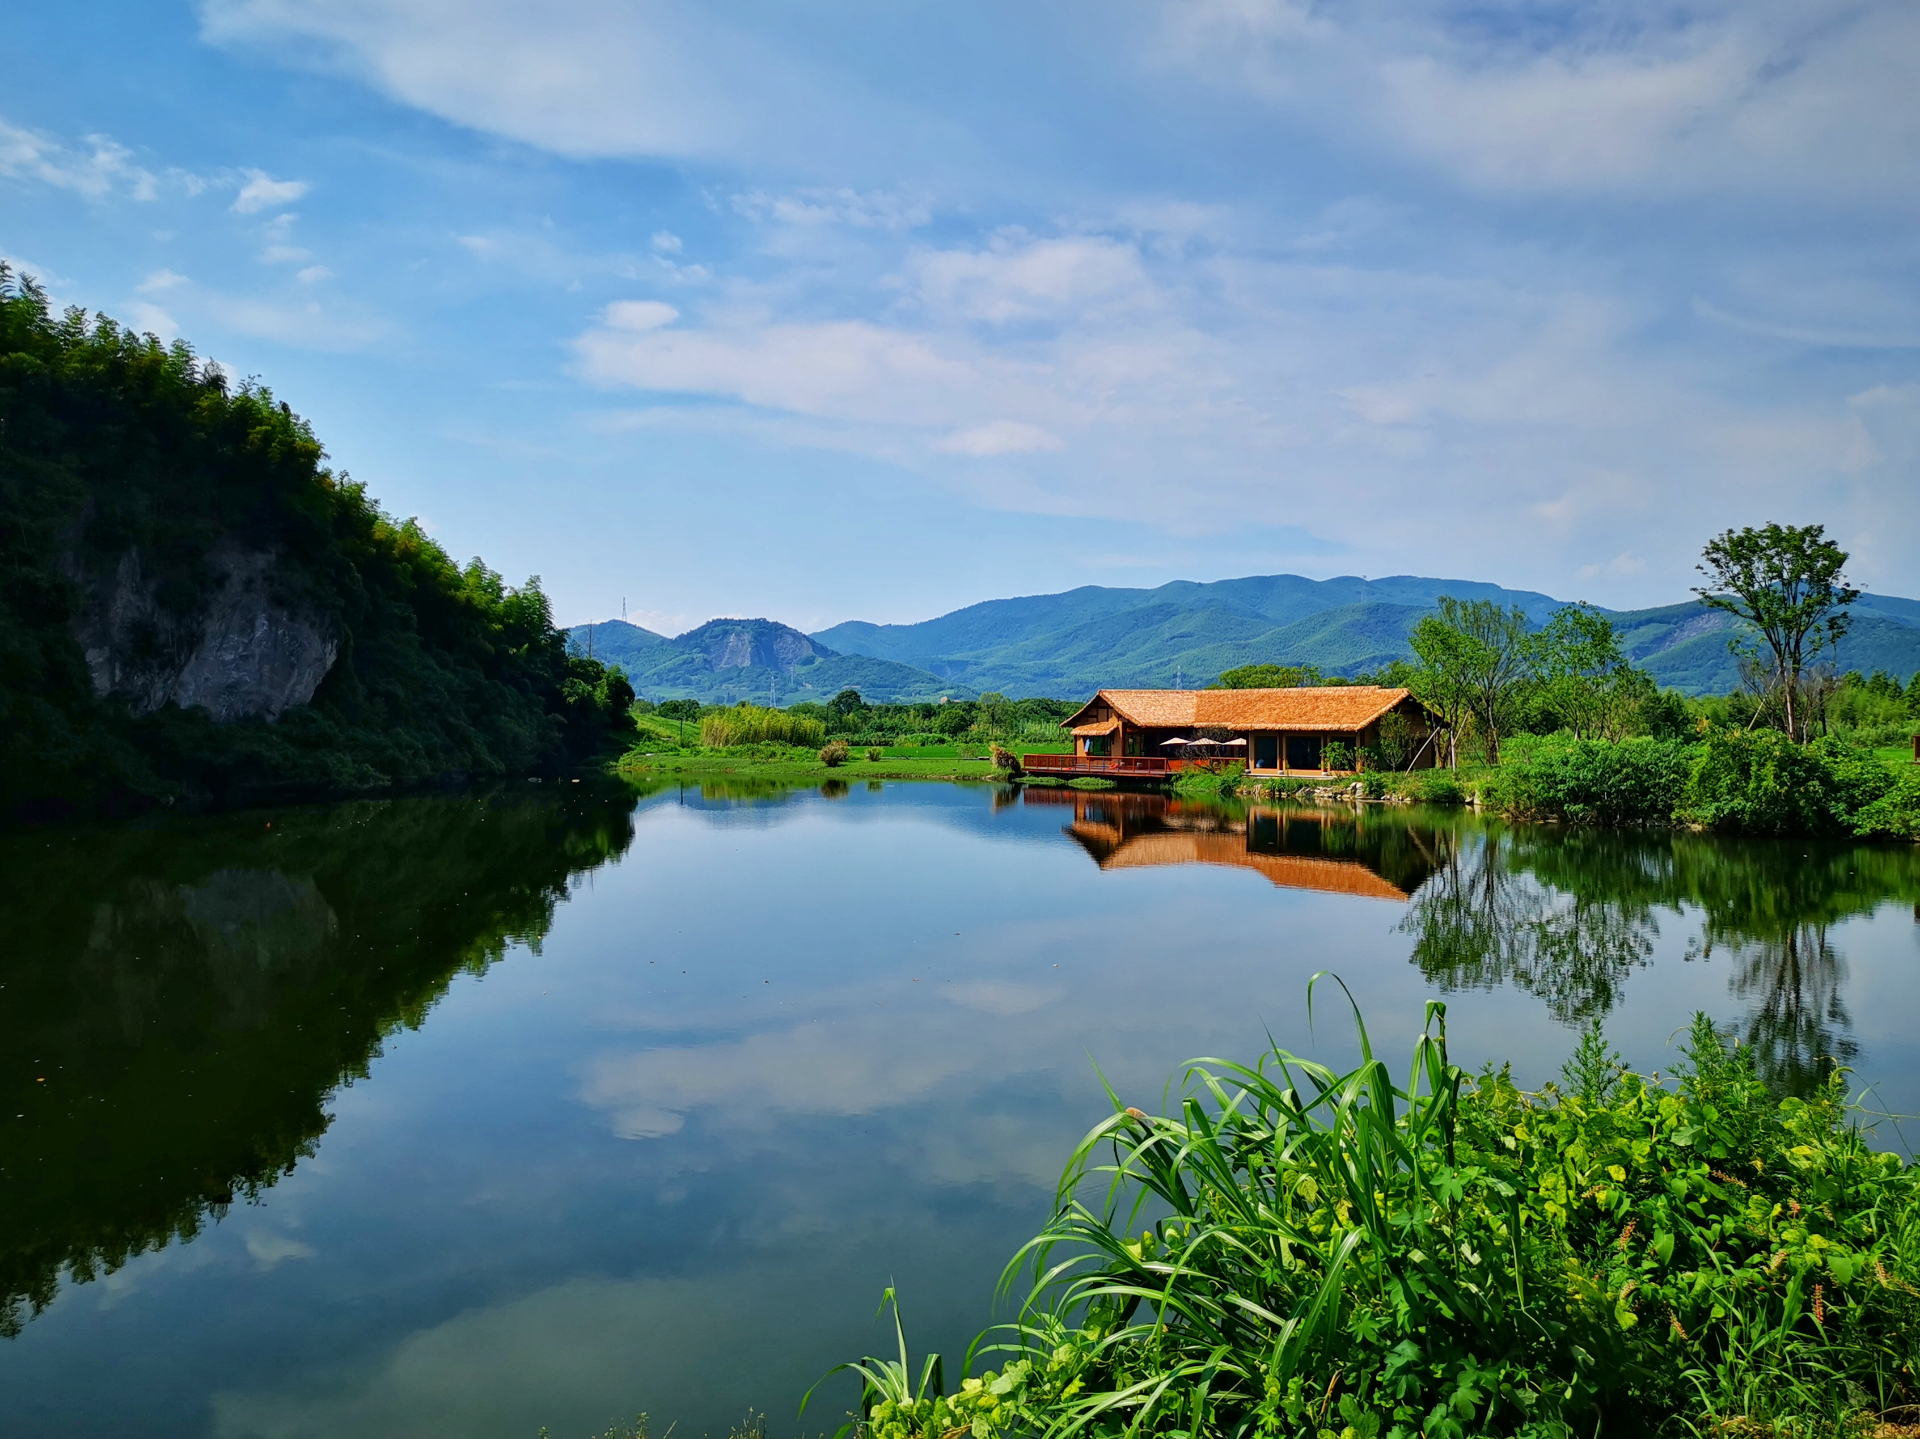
{"x":1096,"y":764}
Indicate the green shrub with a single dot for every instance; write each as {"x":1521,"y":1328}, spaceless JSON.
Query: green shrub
{"x":1435,"y":786}
{"x":835,"y":754}
{"x":1895,"y":814}
{"x":1333,"y":1253}
{"x":1336,"y":755}
{"x":1593,"y":781}
{"x":1760,"y":782}
{"x":753,"y":724}
{"x":873,"y":754}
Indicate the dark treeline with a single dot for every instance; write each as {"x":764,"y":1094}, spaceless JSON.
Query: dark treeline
{"x":112,"y":446}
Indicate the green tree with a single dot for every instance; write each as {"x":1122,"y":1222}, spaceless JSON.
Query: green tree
{"x":1585,"y":674}
{"x":845,"y":705}
{"x":1268,"y":677}
{"x":1477,"y":656}
{"x":1786,"y":582}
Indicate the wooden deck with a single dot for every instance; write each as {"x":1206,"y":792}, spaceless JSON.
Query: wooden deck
{"x":1121,"y":766}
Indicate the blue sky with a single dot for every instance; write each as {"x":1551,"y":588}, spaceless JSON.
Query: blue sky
{"x":873,"y":310}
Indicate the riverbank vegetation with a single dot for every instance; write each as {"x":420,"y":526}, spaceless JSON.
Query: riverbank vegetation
{"x":1295,"y":1251}
{"x":127,"y":468}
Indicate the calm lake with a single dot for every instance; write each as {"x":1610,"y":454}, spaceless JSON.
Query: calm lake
{"x":461,"y":1116}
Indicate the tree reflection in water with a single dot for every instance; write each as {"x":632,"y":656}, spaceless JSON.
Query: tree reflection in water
{"x":1568,"y":915}
{"x":1484,"y":920}
{"x":183,"y":996}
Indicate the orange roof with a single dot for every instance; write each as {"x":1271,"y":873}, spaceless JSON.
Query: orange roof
{"x":1102,"y":727}
{"x":1289,"y":871}
{"x":1340,"y":709}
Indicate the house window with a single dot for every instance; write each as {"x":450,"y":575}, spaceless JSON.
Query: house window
{"x":1303,"y":751}
{"x":1096,"y":744}
{"x":1266,"y":751}
{"x":1136,"y":744}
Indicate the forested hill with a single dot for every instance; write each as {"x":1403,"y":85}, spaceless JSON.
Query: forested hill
{"x":1189,"y":632}
{"x":724,"y":661}
{"x":193,"y":606}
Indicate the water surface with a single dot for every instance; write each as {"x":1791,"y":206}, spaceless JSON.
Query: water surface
{"x":468,"y":1115}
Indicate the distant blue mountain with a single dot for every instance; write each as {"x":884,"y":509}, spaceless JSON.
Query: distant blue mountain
{"x":1187,"y":632}
{"x":760,"y":660}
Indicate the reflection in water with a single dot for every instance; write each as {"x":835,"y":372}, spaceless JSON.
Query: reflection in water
{"x":790,"y":1055}
{"x":1335,"y":851}
{"x":1568,"y":914}
{"x":183,"y":998}
{"x":1483,"y":920}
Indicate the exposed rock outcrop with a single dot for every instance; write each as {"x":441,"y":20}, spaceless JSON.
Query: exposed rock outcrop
{"x":245,"y":654}
{"x":738,"y":644}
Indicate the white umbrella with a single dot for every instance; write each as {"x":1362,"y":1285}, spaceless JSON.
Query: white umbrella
{"x":1175,"y":740}
{"x":1230,"y":741}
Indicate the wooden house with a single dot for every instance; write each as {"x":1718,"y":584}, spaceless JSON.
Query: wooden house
{"x":1314,"y":730}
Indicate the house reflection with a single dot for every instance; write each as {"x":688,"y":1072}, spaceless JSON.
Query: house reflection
{"x":1333,"y":850}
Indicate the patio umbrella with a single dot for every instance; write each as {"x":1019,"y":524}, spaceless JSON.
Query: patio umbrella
{"x":1230,"y":741}
{"x":1175,"y":740}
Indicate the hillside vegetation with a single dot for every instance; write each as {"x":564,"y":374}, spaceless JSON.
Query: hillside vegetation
{"x":1188,"y":633}
{"x":132,"y":475}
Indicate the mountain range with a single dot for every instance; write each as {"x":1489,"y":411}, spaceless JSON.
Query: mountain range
{"x":760,"y":660}
{"x":1182,"y":633}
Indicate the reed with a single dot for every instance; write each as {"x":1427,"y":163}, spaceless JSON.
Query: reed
{"x":753,"y":724}
{"x":1298,"y":1251}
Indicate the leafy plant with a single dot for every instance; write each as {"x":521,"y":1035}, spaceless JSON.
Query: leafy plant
{"x":1460,"y":1257}
{"x":1587,"y":781}
{"x":834,"y":754}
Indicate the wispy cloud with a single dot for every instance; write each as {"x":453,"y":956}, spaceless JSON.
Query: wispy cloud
{"x":99,"y":167}
{"x":260,"y":191}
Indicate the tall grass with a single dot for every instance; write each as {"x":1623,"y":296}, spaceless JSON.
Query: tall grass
{"x":1297,"y":1251}
{"x":752,"y":724}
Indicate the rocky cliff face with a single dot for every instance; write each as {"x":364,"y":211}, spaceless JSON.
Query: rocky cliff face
{"x":737,"y":644}
{"x":246,"y":654}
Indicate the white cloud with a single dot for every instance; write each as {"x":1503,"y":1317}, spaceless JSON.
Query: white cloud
{"x":576,"y":77}
{"x":839,"y":369}
{"x":1017,"y":278}
{"x":284,"y":255}
{"x":103,"y":166}
{"x":1879,"y":337}
{"x":1762,"y":97}
{"x":640,"y":316}
{"x":313,"y":274}
{"x":149,"y":318}
{"x":875,"y":210}
{"x":269,"y":1249}
{"x":999,"y":437}
{"x":666,"y":241}
{"x":260,"y":191}
{"x":162,"y":280}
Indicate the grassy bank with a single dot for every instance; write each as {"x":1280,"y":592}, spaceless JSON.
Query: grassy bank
{"x":1291,"y":1251}
{"x":687,"y":749}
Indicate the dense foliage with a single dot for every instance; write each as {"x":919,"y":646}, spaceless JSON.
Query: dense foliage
{"x":1331,"y":1254}
{"x":1734,"y":781}
{"x":111,"y":442}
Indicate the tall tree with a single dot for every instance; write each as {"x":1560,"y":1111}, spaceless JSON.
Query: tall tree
{"x":1481,"y":654}
{"x":1785,"y":581}
{"x":1588,"y":679}
{"x":1440,"y":681}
